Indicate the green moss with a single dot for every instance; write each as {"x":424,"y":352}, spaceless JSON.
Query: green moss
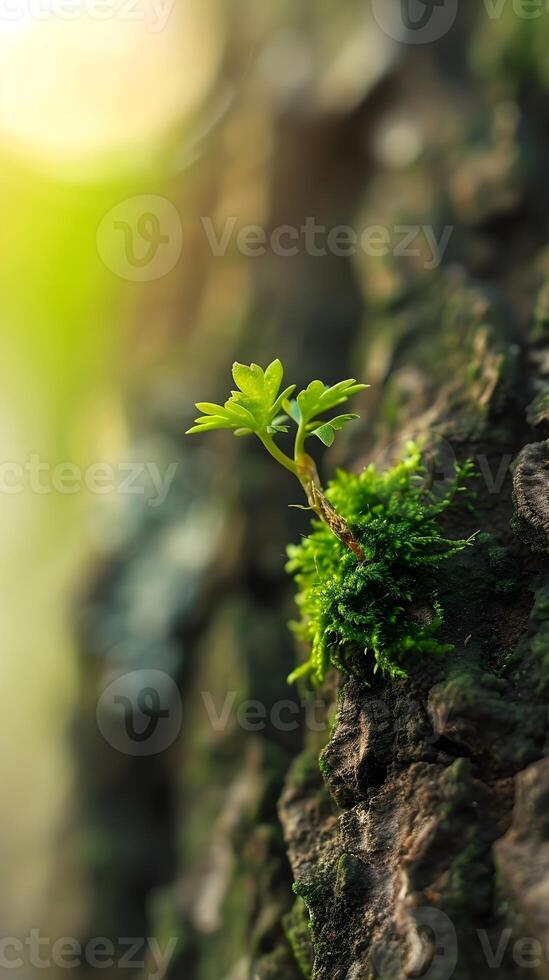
{"x":535,"y":647}
{"x":374,"y":614}
{"x":470,"y":883}
{"x":317,"y":890}
{"x":351,"y":880}
{"x":298,"y":933}
{"x":317,"y":893}
{"x":325,"y":765}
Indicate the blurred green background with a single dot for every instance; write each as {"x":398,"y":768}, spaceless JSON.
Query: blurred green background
{"x":182,"y":103}
{"x":93,"y":112}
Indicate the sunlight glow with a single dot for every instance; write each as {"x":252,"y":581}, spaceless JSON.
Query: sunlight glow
{"x":86,"y":80}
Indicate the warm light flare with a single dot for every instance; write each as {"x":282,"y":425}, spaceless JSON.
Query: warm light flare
{"x":85,"y":81}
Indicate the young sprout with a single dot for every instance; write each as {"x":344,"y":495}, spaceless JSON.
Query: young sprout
{"x":372,"y":560}
{"x":260,"y":408}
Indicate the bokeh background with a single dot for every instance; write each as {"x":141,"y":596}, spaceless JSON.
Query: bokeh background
{"x":115,"y":130}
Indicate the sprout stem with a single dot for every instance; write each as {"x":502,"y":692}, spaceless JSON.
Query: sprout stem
{"x":277,"y":453}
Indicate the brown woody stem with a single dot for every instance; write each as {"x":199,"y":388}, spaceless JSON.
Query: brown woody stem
{"x":309,"y":479}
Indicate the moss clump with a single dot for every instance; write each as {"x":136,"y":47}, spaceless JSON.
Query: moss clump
{"x":375,"y":613}
{"x":535,"y":647}
{"x":352,"y":882}
{"x":325,"y":765}
{"x":297,"y":928}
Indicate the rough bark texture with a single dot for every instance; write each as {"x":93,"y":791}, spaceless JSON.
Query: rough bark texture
{"x":423,"y":834}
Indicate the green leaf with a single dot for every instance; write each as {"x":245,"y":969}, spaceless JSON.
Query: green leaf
{"x":293,"y":409}
{"x":341,"y":420}
{"x":258,"y":392}
{"x":326,"y":434}
{"x":250,"y":379}
{"x":208,"y":408}
{"x":339,"y":393}
{"x":309,"y":399}
{"x":283,"y":398}
{"x":208,"y":423}
{"x":318,"y":398}
{"x":254,"y":407}
{"x":257,"y":405}
{"x":273,"y":378}
{"x":337,"y":423}
{"x":236,"y":411}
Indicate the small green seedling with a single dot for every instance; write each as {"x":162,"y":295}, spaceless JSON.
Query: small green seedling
{"x":366,"y":573}
{"x":261,"y":409}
